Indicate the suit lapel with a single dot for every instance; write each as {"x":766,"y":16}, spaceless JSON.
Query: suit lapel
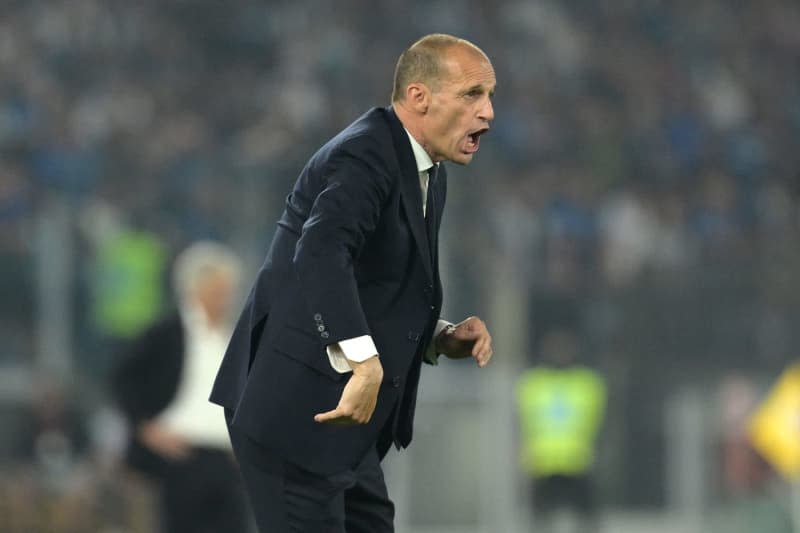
{"x":410,"y":190}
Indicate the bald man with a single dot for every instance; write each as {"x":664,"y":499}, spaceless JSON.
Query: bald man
{"x":320,"y":377}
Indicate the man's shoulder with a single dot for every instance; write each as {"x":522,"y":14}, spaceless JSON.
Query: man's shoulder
{"x":167,"y":329}
{"x":369,"y":139}
{"x":373,"y":128}
{"x":161,"y":341}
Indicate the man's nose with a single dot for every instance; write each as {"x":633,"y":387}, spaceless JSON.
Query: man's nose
{"x":487,"y":111}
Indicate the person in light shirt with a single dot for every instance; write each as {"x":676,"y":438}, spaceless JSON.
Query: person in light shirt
{"x":179,"y":439}
{"x":321,"y":374}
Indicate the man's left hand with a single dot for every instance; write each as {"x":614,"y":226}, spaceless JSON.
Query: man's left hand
{"x":469,"y":338}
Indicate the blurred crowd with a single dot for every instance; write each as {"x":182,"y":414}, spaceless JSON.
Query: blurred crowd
{"x":631,"y":136}
{"x":642,"y":179}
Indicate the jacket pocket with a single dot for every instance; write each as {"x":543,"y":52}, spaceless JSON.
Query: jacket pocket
{"x":306,"y":349}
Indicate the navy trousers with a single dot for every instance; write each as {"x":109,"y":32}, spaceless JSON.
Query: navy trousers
{"x":286,"y":498}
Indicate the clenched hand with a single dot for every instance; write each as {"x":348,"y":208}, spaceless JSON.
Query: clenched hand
{"x":469,"y":338}
{"x":161,"y":441}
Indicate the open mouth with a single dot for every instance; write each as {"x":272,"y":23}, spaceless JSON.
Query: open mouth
{"x":474,"y":140}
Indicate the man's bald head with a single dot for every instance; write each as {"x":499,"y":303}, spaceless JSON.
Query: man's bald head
{"x":423,"y":62}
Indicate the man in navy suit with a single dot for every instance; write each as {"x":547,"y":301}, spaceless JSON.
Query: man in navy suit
{"x":320,"y":377}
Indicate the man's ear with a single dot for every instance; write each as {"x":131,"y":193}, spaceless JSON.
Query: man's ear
{"x":418,"y":97}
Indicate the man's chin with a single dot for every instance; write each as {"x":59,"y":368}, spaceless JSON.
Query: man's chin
{"x":463,"y":158}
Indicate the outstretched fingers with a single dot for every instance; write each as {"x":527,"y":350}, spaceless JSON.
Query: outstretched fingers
{"x":335,"y":417}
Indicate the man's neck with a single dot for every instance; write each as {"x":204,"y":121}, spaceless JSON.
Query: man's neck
{"x":411,"y":122}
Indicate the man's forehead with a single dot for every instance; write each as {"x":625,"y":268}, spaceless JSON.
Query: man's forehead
{"x":469,"y":68}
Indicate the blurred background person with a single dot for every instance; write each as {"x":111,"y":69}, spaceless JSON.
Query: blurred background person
{"x":561,"y":405}
{"x":179,"y":439}
{"x":126,"y":285}
{"x":749,"y":487}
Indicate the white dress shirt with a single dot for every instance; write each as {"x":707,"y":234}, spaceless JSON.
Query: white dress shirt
{"x":190,"y":414}
{"x":361,"y":348}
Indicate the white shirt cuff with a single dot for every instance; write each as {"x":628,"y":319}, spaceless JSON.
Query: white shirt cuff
{"x":357,"y":349}
{"x":431,"y":356}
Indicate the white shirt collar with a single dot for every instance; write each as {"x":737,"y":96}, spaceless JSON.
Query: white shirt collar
{"x":422,"y":158}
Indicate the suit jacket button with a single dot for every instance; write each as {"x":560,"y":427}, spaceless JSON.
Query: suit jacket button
{"x":413,"y":336}
{"x":396,"y":382}
{"x":320,"y":328}
{"x":324,"y":334}
{"x":433,"y":307}
{"x":317,"y":317}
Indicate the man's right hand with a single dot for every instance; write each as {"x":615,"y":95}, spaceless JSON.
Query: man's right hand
{"x":163,"y":442}
{"x":359,"y":396}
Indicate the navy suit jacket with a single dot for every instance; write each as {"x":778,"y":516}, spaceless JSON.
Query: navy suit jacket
{"x":351,"y":257}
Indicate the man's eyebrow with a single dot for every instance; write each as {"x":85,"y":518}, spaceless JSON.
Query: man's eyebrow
{"x":476,"y":87}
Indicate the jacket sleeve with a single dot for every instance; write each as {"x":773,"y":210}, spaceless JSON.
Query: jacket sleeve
{"x":145,"y":379}
{"x":129,"y":381}
{"x":344,"y":214}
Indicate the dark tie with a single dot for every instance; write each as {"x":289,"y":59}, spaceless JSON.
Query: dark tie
{"x":430,"y":212}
